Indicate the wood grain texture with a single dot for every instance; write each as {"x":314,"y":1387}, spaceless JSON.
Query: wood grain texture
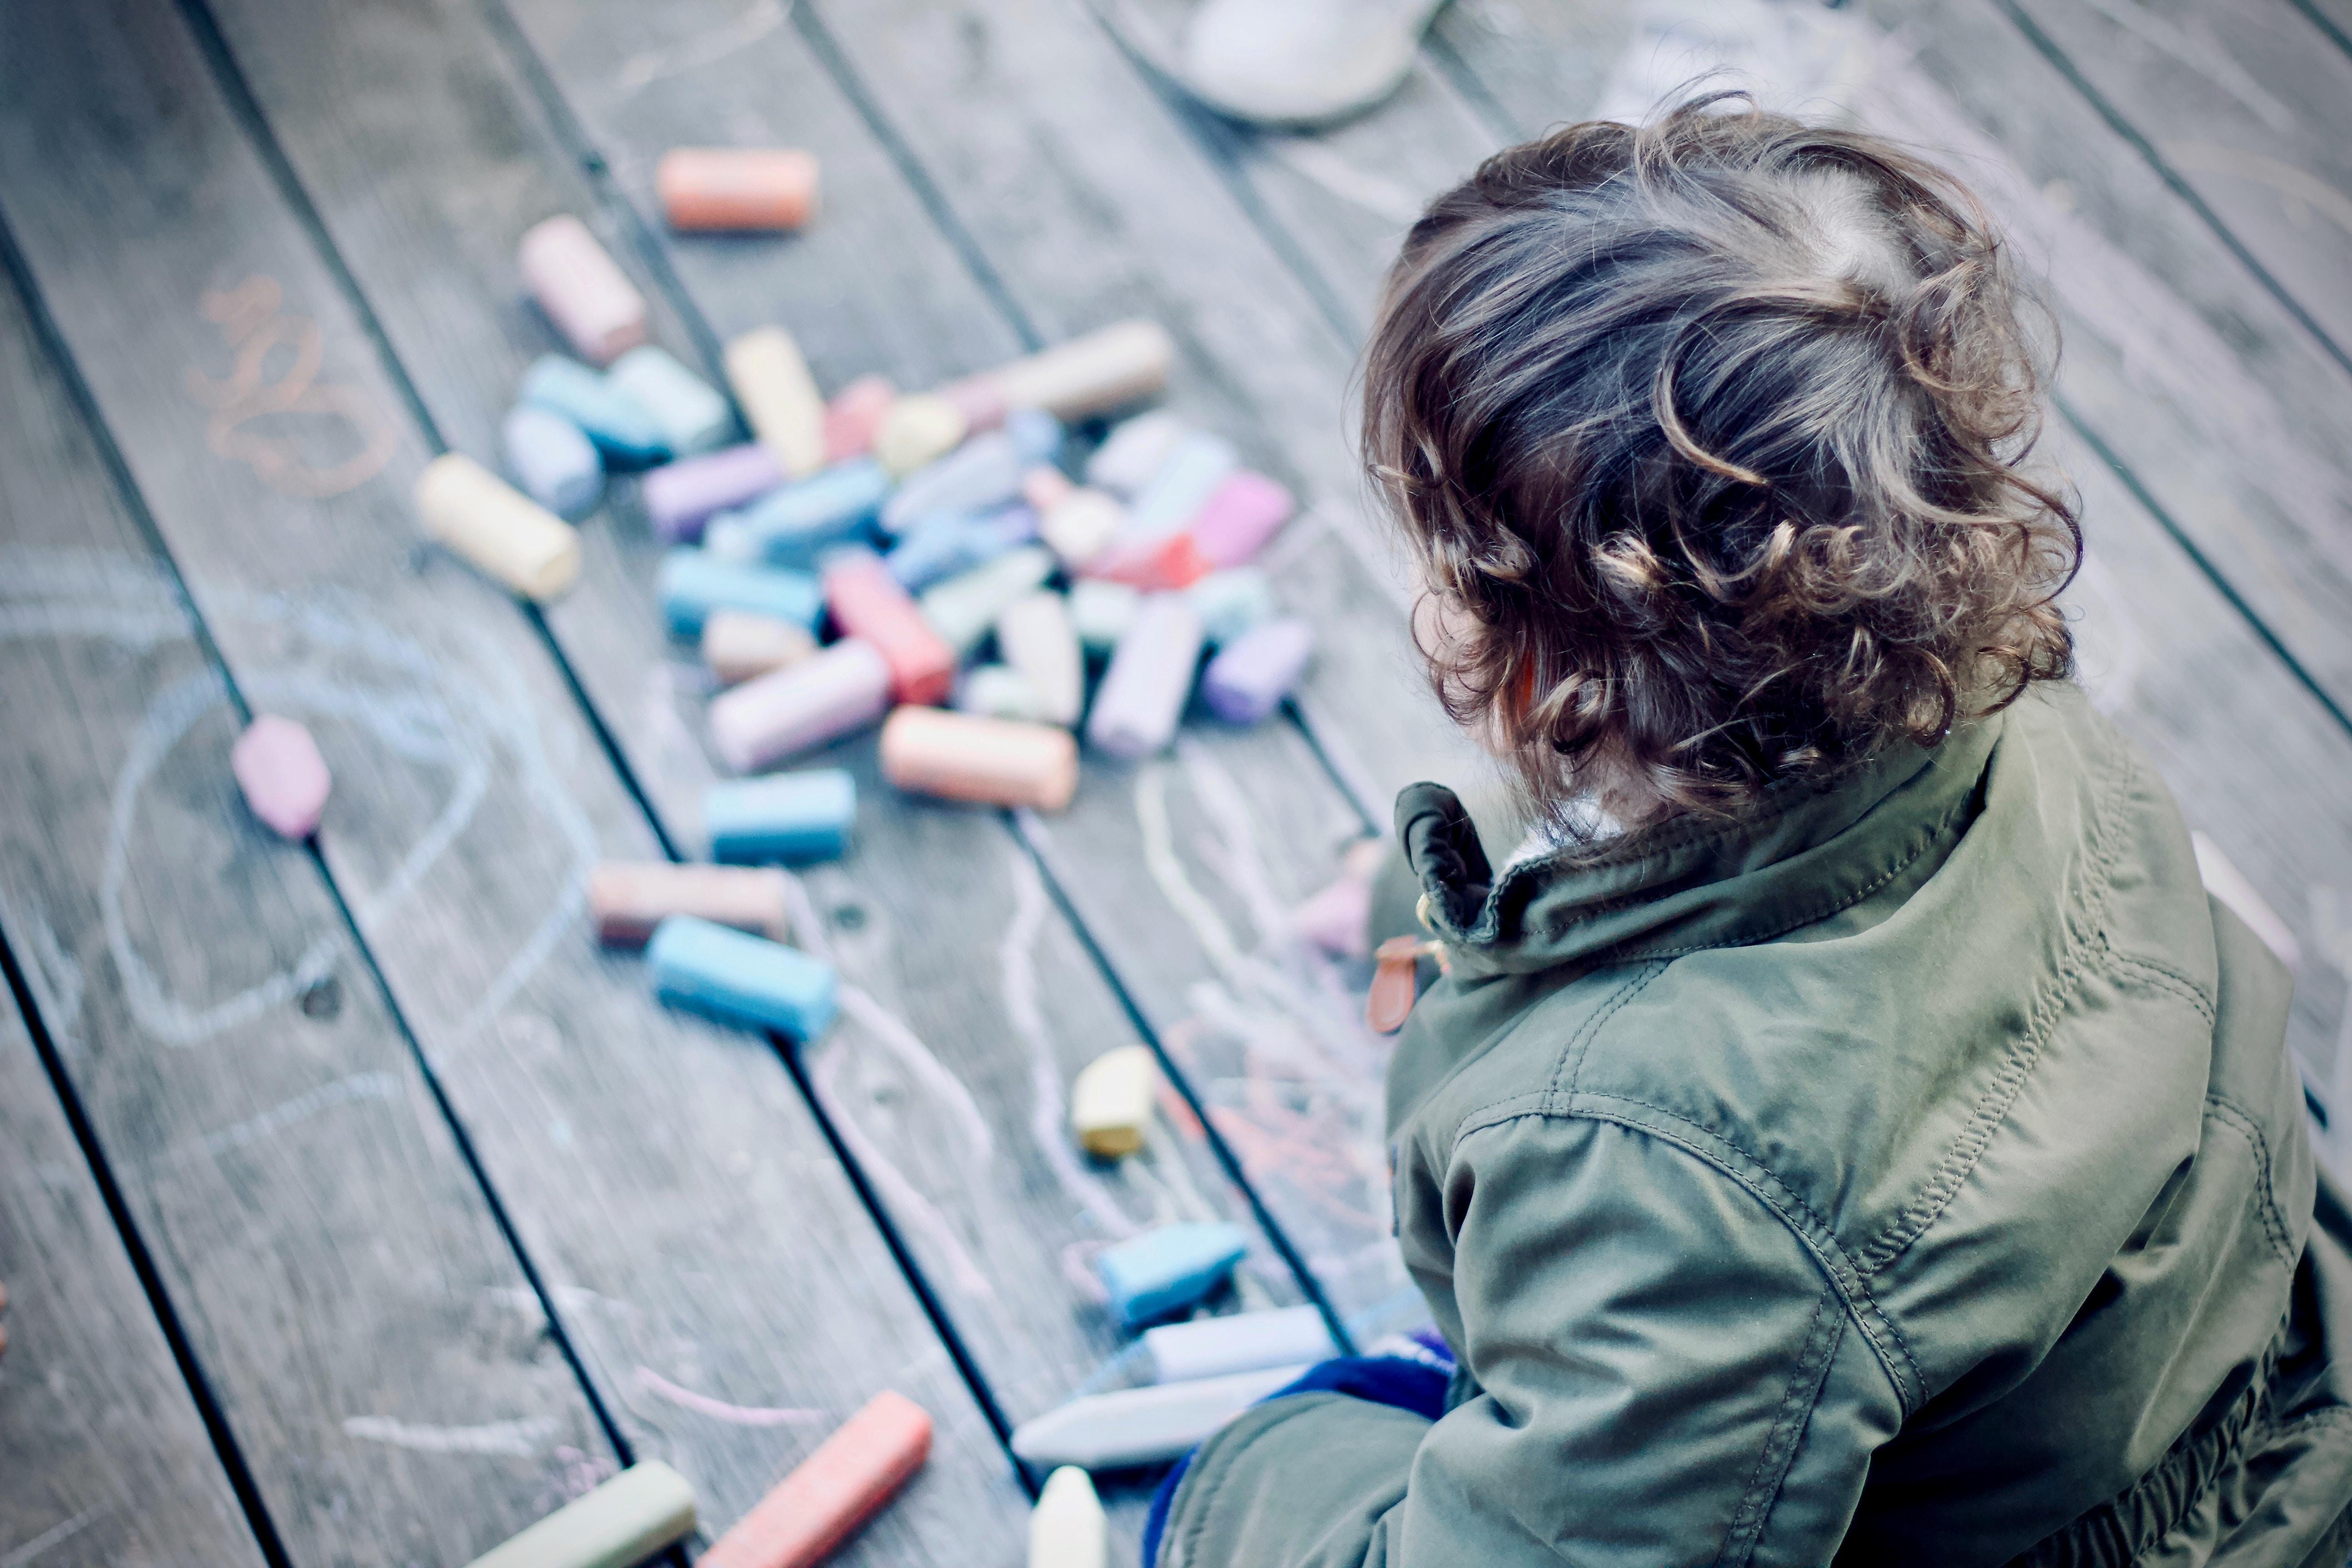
{"x":338,"y":1275}
{"x":712,"y":1264}
{"x":947,"y":1086}
{"x":106,"y":1460}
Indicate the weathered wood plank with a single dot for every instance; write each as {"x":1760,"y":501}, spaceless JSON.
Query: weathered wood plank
{"x":723,"y":1284}
{"x":371,"y":1341}
{"x":955,"y":1128}
{"x":107,"y":1460}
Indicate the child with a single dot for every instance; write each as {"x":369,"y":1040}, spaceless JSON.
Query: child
{"x":1875,"y":1147}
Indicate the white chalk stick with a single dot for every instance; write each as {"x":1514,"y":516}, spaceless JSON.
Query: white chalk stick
{"x":692,"y":414}
{"x":1237,"y":1342}
{"x":1066,"y":1529}
{"x":1133,"y":451}
{"x":779,"y":398}
{"x":920,"y":429}
{"x":1034,"y":637}
{"x":1110,"y":1101}
{"x":1142,"y":1425}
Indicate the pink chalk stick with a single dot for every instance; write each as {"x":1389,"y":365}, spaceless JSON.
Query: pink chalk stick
{"x":834,"y":1491}
{"x":853,"y":415}
{"x":284,"y":778}
{"x":1241,"y":515}
{"x":586,"y":295}
{"x":845,"y":688}
{"x":681,"y":497}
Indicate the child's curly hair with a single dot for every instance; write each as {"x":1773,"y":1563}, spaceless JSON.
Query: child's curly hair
{"x":1709,"y":430}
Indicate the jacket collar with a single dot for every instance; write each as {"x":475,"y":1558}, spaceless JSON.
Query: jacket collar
{"x":1811,"y":849}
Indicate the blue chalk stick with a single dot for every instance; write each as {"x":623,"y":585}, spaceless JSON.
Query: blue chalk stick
{"x":953,"y":543}
{"x":692,"y":415}
{"x":1183,"y":485}
{"x":552,"y":459}
{"x":619,"y":425}
{"x":783,"y":817}
{"x":740,"y":977}
{"x":1036,"y":435}
{"x":693,"y":583}
{"x":792,"y":526}
{"x":1168,"y":1269}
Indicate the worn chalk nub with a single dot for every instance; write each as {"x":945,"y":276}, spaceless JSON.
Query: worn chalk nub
{"x":996,"y":762}
{"x":737,"y":188}
{"x":586,"y":295}
{"x":831,"y":1493}
{"x":1237,"y":1342}
{"x":1142,"y":1425}
{"x":1169,"y":1269}
{"x":739,"y":645}
{"x":915,"y":430}
{"x":1110,"y":1101}
{"x":962,"y":608}
{"x":1257,"y":670}
{"x":845,"y":688}
{"x":1092,"y":374}
{"x":284,"y":779}
{"x":1066,"y":1529}
{"x":627,"y":899}
{"x":1142,"y":695}
{"x":620,"y":426}
{"x":553,"y":460}
{"x":681,"y":497}
{"x":691,"y":583}
{"x":495,"y":529}
{"x":693,"y":417}
{"x":792,"y":817}
{"x":779,"y":398}
{"x":867,"y":602}
{"x":740,"y":978}
{"x":622,"y":1523}
{"x":1033,"y":635}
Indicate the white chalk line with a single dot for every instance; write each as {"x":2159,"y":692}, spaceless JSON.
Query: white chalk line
{"x":55,"y":1535}
{"x":355,"y":1089}
{"x":655,"y":1384}
{"x":516,"y":1439}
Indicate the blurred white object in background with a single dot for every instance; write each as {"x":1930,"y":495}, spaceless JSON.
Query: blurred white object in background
{"x":1300,"y":62}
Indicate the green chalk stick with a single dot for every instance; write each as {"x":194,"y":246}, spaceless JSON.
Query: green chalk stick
{"x":618,"y":1525}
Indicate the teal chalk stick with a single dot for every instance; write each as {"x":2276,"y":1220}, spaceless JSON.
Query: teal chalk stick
{"x":792,"y":817}
{"x":691,"y":414}
{"x":740,"y":977}
{"x":617,"y":423}
{"x":693,"y":583}
{"x":1169,"y":1269}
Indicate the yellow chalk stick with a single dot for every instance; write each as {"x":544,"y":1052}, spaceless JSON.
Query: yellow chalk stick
{"x":779,"y":398}
{"x":497,"y":529}
{"x":622,"y":1523}
{"x":1110,"y":1104}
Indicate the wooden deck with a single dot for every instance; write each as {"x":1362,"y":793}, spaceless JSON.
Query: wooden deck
{"x":355,"y":1208}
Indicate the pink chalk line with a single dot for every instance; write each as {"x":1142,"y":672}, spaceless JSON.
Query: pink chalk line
{"x":653,"y":1382}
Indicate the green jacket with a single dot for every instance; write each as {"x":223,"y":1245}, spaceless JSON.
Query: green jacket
{"x":1911,"y":1173}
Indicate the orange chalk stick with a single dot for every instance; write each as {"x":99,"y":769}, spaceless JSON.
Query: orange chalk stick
{"x":737,"y":187}
{"x":821,"y":1504}
{"x":996,"y":762}
{"x":867,"y":602}
{"x":628,"y":898}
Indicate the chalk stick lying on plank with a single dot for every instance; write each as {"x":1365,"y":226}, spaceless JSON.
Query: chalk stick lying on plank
{"x":1110,"y":1101}
{"x":994,"y":762}
{"x":1142,"y":1425}
{"x":743,"y":979}
{"x":984,"y":471}
{"x":283,"y":777}
{"x":1233,"y":524}
{"x":963,"y":608}
{"x":691,"y":583}
{"x":1076,"y":379}
{"x":737,"y":188}
{"x":1142,"y":695}
{"x":1033,"y":635}
{"x":1230,"y":601}
{"x":790,"y":818}
{"x":737,"y":644}
{"x":495,"y":529}
{"x":915,"y":430}
{"x":792,"y":526}
{"x":1170,"y":1269}
{"x":553,"y":460}
{"x":831,"y":1493}
{"x":628,"y":899}
{"x":1237,"y":1342}
{"x":683,"y":496}
{"x":621,"y":427}
{"x":622,"y":1523}
{"x":589,"y":300}
{"x":1066,"y":1529}
{"x":779,"y":398}
{"x":1189,"y":475}
{"x":694,"y":419}
{"x":844,"y":687}
{"x":869,"y":604}
{"x":1134,"y":450}
{"x":854,"y":414}
{"x":1257,"y":670}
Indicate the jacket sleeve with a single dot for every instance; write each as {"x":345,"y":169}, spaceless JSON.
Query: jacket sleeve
{"x":1651,"y":1348}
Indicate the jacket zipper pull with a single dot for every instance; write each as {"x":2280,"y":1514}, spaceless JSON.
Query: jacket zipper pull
{"x":1394,"y":990}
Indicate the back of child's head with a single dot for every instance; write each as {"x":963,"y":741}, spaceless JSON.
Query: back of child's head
{"x":1706,"y":436}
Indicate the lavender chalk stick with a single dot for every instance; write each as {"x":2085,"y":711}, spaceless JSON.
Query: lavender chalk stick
{"x":1142,"y":695}
{"x":1133,"y":452}
{"x":952,"y":543}
{"x":984,"y":472}
{"x":693,"y":583}
{"x":552,"y":459}
{"x":683,"y":496}
{"x":283,"y":777}
{"x":789,"y":817}
{"x":845,"y":688}
{"x":741,"y":978}
{"x":1249,"y":679}
{"x":692,"y":414}
{"x":617,"y":423}
{"x":1237,"y":520}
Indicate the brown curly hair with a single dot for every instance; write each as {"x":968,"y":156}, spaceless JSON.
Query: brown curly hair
{"x":1706,"y":434}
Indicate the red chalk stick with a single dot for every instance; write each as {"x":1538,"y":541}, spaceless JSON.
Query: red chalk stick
{"x":833,"y":1492}
{"x":867,"y":602}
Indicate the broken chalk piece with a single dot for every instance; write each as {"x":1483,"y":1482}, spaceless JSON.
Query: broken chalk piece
{"x":949,"y":545}
{"x":1230,"y":601}
{"x":1237,"y":1342}
{"x":1192,"y":473}
{"x":586,"y":295}
{"x":779,"y":398}
{"x":1249,"y":679}
{"x":854,"y":414}
{"x":554,"y":463}
{"x":497,"y":529}
{"x":620,"y":1523}
{"x":1079,"y":526}
{"x":1134,"y":451}
{"x":621,"y":427}
{"x":284,"y":779}
{"x":790,"y":817}
{"x":844,"y":687}
{"x":961,"y":609}
{"x":693,"y":583}
{"x":1142,"y":1425}
{"x":998,"y":691}
{"x":794,"y":525}
{"x":1066,"y":1529}
{"x":737,"y":644}
{"x":627,"y":899}
{"x":1033,"y":635}
{"x":1172,"y":1269}
{"x":1106,"y":369}
{"x":868,"y":603}
{"x":737,"y":188}
{"x":994,"y":762}
{"x":681,"y":497}
{"x":1233,"y":524}
{"x":741,"y":978}
{"x":1101,"y":612}
{"x":693,"y":417}
{"x":1142,"y":695}
{"x":985,"y":471}
{"x":1110,"y":1101}
{"x":918,"y":429}
{"x":811,"y":1512}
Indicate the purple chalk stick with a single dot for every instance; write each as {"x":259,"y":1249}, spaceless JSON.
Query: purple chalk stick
{"x":1239,"y":517}
{"x":284,"y":778}
{"x":681,"y":497}
{"x":1256,"y":671}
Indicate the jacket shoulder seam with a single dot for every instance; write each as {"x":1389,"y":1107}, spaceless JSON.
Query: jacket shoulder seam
{"x":2164,"y":977}
{"x":2274,"y":1225}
